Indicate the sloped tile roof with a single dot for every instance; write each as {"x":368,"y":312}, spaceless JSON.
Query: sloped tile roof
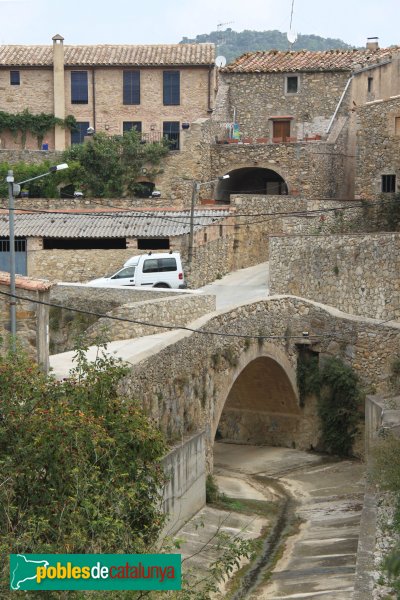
{"x":110,"y":55}
{"x":26,"y":283}
{"x":274,"y":61}
{"x":109,"y":225}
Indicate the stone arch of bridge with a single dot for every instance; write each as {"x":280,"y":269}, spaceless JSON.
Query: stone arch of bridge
{"x":258,"y":402}
{"x":251,"y":179}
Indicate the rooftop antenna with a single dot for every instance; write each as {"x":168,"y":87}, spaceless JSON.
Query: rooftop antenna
{"x":220,"y":61}
{"x":291,"y":34}
{"x":222,"y":24}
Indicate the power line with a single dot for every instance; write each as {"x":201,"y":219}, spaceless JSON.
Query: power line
{"x":156,"y":325}
{"x":122,"y":213}
{"x":174,"y":327}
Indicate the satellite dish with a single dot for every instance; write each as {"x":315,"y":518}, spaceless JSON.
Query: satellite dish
{"x":220,"y":61}
{"x":291,"y":36}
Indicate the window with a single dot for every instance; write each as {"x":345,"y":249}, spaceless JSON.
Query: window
{"x":159,"y":265}
{"x":129,"y":125}
{"x":292,"y":84}
{"x":171,"y":88}
{"x":84,"y":243}
{"x":388,"y":184}
{"x":131,"y":87}
{"x":171,"y":133}
{"x":14,"y":78}
{"x":153,"y":244}
{"x":79,"y":87}
{"x":370,"y":82}
{"x":79,"y":133}
{"x":125,"y":273}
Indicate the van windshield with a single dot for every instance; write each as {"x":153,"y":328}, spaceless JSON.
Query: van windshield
{"x":124,"y":273}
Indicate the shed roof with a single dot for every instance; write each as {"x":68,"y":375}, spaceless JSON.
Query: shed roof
{"x":110,"y":55}
{"x":109,"y":224}
{"x":275,"y":61}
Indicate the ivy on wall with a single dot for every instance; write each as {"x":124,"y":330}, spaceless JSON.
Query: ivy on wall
{"x":37,"y":125}
{"x":339,"y":397}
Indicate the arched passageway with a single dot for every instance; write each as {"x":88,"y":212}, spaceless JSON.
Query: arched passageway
{"x":261,"y":407}
{"x":251,"y":180}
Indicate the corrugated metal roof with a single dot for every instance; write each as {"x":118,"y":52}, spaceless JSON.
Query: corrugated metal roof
{"x":109,"y":225}
{"x":108,"y":55}
{"x":275,"y":61}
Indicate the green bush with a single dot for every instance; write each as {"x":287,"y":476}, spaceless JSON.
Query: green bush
{"x":212,"y":492}
{"x":339,"y":406}
{"x":80,"y":468}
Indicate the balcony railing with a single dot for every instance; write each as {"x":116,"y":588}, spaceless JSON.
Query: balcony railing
{"x":267,"y":140}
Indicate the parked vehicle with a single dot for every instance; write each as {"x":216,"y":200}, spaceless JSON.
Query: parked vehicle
{"x":159,"y":270}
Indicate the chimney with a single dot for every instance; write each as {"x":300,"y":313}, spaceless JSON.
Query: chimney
{"x":59,"y":89}
{"x":373,"y":43}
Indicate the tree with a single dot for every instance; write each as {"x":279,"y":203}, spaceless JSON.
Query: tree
{"x":111,"y":165}
{"x":80,"y":467}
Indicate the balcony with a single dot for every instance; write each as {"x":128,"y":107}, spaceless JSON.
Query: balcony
{"x":266,"y":140}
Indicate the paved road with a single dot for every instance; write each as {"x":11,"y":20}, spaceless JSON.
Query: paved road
{"x":239,"y":287}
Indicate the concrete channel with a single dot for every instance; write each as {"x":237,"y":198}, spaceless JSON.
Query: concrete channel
{"x":310,"y":551}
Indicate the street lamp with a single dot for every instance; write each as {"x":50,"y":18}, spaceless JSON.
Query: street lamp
{"x":195,"y":193}
{"x":15,"y":188}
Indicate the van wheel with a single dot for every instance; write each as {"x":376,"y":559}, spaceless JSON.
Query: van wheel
{"x":161,"y":285}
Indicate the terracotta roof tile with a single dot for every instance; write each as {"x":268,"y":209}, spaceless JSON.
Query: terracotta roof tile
{"x":111,"y":55}
{"x":26,"y":283}
{"x":274,"y":61}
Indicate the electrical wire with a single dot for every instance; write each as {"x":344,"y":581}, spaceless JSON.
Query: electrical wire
{"x":175,"y":327}
{"x":122,"y":213}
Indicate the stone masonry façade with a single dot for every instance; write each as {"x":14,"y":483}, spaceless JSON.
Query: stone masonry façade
{"x":359,"y":274}
{"x":256,"y":97}
{"x":378,"y":146}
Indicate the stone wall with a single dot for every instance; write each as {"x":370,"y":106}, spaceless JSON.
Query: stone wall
{"x":359,"y":274}
{"x":66,"y":325}
{"x":257,"y":97}
{"x":211,"y":260}
{"x":185,"y":386}
{"x":312,"y":169}
{"x":378,"y":146}
{"x":73,"y":265}
{"x":185,"y":491}
{"x":33,"y":156}
{"x":175,"y":311}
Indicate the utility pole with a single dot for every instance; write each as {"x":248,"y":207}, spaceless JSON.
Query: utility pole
{"x":13,"y":311}
{"x":15,"y":188}
{"x":195,"y":191}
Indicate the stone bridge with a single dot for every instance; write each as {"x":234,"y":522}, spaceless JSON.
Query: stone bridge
{"x":243,"y":389}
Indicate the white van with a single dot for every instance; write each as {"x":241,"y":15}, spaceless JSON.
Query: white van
{"x":160,"y":270}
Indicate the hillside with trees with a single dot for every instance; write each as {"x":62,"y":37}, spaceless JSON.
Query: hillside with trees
{"x":232,"y":44}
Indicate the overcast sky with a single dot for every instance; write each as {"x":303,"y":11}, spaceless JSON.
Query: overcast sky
{"x":167,"y":21}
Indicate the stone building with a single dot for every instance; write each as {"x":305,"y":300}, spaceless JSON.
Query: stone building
{"x":377,"y":171}
{"x":287,"y":123}
{"x":110,"y":88}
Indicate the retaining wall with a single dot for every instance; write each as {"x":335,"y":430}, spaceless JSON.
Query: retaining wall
{"x":359,"y":274}
{"x":185,"y":492}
